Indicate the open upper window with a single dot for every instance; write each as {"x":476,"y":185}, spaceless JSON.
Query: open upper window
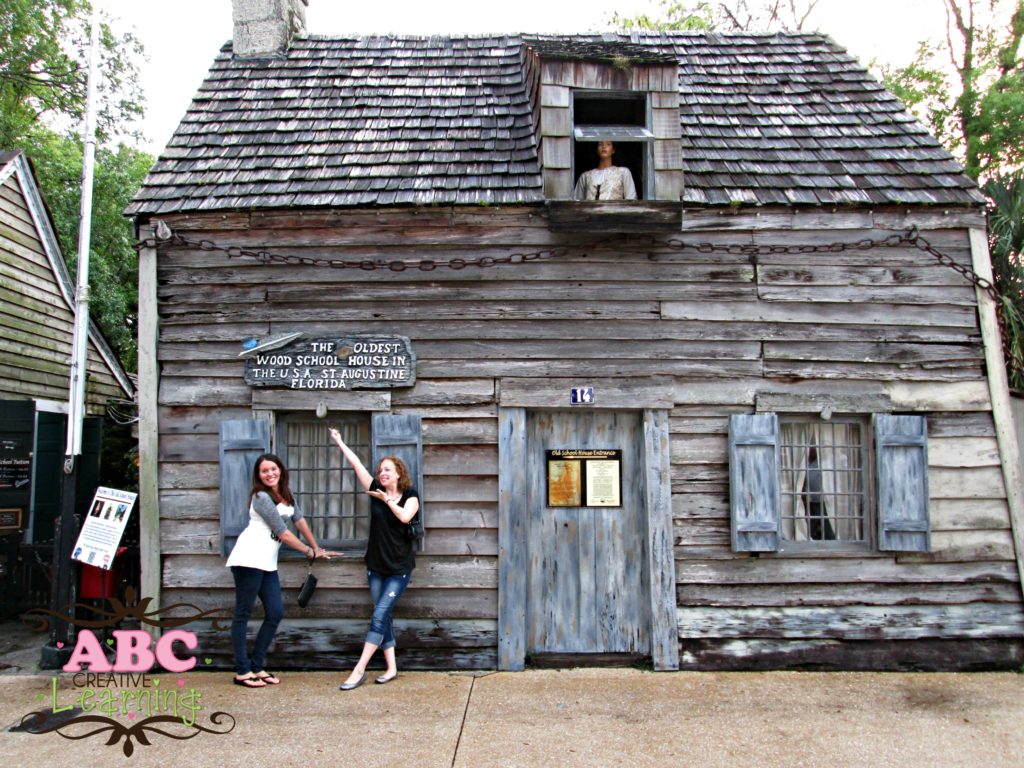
{"x":621,"y":118}
{"x":589,"y":91}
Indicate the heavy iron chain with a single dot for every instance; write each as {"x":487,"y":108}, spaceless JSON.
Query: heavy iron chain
{"x":369,"y":265}
{"x":910,"y":237}
{"x":1012,"y":356}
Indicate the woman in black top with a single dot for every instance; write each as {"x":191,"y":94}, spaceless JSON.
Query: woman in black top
{"x":389,"y":554}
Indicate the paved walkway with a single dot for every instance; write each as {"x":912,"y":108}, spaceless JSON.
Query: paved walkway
{"x":566,"y":718}
{"x":581,"y":717}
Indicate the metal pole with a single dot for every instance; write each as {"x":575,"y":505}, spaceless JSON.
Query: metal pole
{"x":80,"y":353}
{"x":56,"y":652}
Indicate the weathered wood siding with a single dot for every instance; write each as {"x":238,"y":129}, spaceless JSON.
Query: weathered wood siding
{"x":863,"y":331}
{"x":36,"y":323}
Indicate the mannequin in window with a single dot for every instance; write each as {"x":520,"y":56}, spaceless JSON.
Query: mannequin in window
{"x":820,"y":526}
{"x":606,"y":181}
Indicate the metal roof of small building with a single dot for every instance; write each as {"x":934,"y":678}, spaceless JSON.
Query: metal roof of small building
{"x":369,"y":121}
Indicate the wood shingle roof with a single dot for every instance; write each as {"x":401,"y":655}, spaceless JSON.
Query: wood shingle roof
{"x":766,"y":119}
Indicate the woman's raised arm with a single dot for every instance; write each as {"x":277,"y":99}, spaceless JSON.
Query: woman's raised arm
{"x":362,"y":474}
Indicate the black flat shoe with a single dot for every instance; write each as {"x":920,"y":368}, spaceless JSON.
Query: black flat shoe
{"x":384,"y":679}
{"x":352,"y":686}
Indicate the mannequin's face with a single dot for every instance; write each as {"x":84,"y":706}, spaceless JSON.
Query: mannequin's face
{"x":605,"y":149}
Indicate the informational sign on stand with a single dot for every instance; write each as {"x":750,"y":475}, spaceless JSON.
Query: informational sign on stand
{"x":103,"y":527}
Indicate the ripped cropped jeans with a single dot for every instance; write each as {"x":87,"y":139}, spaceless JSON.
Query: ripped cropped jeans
{"x":385,"y":591}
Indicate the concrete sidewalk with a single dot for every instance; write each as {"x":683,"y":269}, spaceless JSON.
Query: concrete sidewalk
{"x":581,"y":717}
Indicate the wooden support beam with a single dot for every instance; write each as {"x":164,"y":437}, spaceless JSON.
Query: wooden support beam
{"x":660,"y":551}
{"x":148,"y":389}
{"x":512,"y":553}
{"x":999,"y":390}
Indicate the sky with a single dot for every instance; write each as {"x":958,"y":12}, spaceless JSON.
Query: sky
{"x":182,"y":37}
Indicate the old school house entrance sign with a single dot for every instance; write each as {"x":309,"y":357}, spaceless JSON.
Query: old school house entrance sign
{"x":344,"y":362}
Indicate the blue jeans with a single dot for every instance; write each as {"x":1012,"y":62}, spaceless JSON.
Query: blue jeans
{"x":385,"y":591}
{"x":251,"y":583}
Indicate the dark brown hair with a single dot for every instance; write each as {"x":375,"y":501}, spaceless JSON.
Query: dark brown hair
{"x":404,"y":481}
{"x":283,"y":492}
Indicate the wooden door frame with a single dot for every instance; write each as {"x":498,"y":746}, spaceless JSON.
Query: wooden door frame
{"x":512,"y":538}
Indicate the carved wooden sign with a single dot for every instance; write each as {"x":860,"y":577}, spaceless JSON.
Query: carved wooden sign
{"x":344,"y":362}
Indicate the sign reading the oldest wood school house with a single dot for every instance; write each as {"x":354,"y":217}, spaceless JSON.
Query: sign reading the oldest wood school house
{"x":813,"y":460}
{"x":344,"y":363}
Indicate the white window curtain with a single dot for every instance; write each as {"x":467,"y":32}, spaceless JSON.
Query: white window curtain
{"x":329,"y":494}
{"x":822,"y":482}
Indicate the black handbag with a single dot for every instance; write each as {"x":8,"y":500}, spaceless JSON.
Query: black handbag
{"x":414,"y":529}
{"x":308,"y":587}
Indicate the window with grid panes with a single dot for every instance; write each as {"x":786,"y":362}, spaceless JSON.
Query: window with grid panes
{"x":325,"y":486}
{"x":824,"y":481}
{"x":801,"y":482}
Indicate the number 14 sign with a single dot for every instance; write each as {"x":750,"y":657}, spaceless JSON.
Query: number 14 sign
{"x":581,"y":395}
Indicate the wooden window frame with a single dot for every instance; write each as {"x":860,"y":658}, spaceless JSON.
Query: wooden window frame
{"x":645,"y":187}
{"x":329,"y":496}
{"x":896,"y":481}
{"x":869,"y":515}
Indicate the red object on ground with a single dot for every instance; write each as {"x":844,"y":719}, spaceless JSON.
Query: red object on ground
{"x":98,"y":583}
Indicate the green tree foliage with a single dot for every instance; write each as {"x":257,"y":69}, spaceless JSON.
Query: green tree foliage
{"x":969,"y":88}
{"x":1006,"y":245}
{"x":43,"y":85}
{"x":43,"y":69}
{"x":693,"y":16}
{"x":113,"y":266}
{"x":726,"y":15}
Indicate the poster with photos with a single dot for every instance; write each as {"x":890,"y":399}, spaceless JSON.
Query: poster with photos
{"x":103,"y":527}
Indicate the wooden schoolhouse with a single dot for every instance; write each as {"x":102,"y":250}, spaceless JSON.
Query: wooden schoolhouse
{"x":756,"y":418}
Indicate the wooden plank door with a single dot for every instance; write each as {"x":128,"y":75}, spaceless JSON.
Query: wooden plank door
{"x":587,"y":583}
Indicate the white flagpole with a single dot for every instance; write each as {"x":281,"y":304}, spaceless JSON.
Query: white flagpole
{"x":56,"y":652}
{"x":80,"y":343}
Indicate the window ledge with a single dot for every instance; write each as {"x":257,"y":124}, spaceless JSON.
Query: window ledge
{"x":615,"y":216}
{"x":347,"y":552}
{"x":803,"y":550}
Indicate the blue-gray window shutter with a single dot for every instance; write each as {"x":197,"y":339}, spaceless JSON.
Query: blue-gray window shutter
{"x":241,"y":443}
{"x":754,"y":485}
{"x":400,"y":435}
{"x":901,"y":455}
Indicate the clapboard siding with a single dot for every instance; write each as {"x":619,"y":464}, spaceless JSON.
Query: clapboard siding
{"x":193,"y":571}
{"x":336,"y":643}
{"x":863,"y":331}
{"x":856,"y":622}
{"x":782,"y":596}
{"x":36,"y":318}
{"x":353,"y":601}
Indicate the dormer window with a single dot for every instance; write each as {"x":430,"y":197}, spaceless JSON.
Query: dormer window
{"x":622,"y":118}
{"x":608,"y":90}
